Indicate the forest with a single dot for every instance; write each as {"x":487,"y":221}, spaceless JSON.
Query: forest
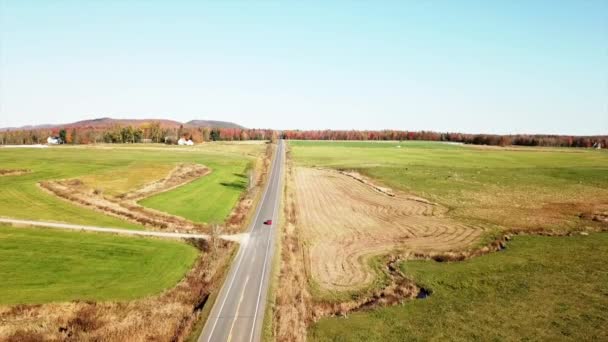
{"x":154,"y":132}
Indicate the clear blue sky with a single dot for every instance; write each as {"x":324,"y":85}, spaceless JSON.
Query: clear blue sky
{"x":482,"y":66}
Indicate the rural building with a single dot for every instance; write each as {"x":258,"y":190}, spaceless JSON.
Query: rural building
{"x":184,"y":142}
{"x":53,"y":140}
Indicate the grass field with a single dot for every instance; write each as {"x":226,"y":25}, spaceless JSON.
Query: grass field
{"x":513,"y":188}
{"x":134,"y":176}
{"x":40,"y":265}
{"x":118,"y":168}
{"x":539,"y":288}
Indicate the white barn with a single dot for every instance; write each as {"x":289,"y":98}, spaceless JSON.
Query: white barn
{"x":53,"y":140}
{"x":184,"y":142}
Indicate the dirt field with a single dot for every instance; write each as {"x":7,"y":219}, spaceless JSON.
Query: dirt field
{"x":346,"y":221}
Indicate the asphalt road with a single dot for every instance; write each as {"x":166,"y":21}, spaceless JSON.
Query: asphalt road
{"x":238,"y":312}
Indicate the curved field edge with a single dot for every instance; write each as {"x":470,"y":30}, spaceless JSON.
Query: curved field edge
{"x":209,"y":199}
{"x":20,"y":198}
{"x":312,"y":153}
{"x":40,"y":265}
{"x":545,"y":288}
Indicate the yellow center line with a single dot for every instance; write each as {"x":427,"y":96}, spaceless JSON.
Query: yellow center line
{"x":236,"y":314}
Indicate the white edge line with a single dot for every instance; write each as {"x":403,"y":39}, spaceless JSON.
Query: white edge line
{"x":255,"y":315}
{"x":241,"y":252}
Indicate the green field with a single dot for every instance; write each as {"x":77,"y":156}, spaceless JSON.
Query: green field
{"x":40,"y":265}
{"x":512,"y":188}
{"x":538,"y":288}
{"x":208,"y":199}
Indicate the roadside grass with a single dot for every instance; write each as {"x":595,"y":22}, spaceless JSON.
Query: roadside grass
{"x":41,"y":265}
{"x":208,"y":199}
{"x":538,"y":288}
{"x":514,"y":188}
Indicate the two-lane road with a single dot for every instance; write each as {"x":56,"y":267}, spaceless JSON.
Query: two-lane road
{"x":238,"y":312}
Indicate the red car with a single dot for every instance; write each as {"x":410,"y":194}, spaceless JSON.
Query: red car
{"x":268,"y":222}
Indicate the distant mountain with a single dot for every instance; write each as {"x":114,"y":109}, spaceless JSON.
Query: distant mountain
{"x":109,"y":122}
{"x":213,"y":124}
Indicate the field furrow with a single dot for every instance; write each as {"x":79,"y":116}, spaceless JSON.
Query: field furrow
{"x":346,"y":222}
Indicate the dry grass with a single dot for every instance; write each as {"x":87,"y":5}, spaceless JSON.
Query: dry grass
{"x":293,"y":304}
{"x":240,"y":214}
{"x":136,"y":175}
{"x":345,"y":222}
{"x":180,"y":175}
{"x":13,"y":172}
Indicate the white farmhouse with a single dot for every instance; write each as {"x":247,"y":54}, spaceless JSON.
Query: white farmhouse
{"x":53,"y":140}
{"x":184,"y":142}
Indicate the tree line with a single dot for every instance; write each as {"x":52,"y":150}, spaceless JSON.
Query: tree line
{"x":147,"y":133}
{"x":477,"y":139}
{"x":155,"y":133}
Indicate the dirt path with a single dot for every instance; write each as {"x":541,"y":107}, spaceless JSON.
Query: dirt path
{"x":239,"y":238}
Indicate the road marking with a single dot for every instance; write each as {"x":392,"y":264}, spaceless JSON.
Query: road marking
{"x":236,"y":314}
{"x":274,"y":210}
{"x":242,"y":252}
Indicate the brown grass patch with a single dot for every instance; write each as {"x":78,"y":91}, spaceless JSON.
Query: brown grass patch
{"x":13,"y":172}
{"x":293,"y":305}
{"x":534,"y":208}
{"x":345,"y":222}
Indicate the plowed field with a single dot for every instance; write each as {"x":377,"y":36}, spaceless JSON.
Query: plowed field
{"x":346,"y":221}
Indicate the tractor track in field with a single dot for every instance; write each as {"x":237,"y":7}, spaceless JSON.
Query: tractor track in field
{"x":345,"y":221}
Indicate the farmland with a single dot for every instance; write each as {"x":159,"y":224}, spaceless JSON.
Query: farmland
{"x":546,"y":288}
{"x":89,"y":286}
{"x":118,"y":169}
{"x":42,"y":265}
{"x":519,"y":188}
{"x":372,"y":223}
{"x":430,"y":197}
{"x":355,"y":202}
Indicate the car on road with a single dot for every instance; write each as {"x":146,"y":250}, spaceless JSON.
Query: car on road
{"x":268,"y":222}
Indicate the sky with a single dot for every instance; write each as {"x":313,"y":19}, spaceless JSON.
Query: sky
{"x":468,"y":66}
